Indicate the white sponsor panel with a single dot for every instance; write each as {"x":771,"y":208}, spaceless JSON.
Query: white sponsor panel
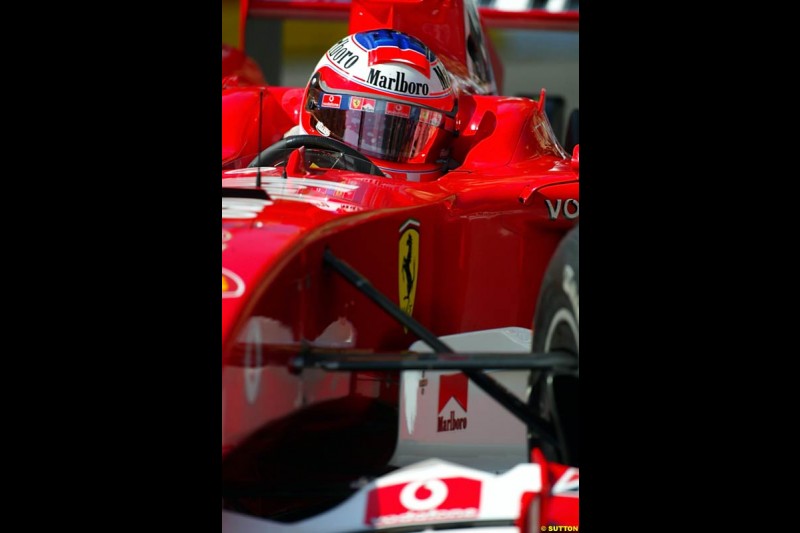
{"x":444,"y":414}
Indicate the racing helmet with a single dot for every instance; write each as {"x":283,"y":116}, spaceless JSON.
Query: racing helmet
{"x":386,"y":94}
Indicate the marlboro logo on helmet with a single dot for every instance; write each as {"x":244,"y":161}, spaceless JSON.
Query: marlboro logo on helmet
{"x":386,"y":94}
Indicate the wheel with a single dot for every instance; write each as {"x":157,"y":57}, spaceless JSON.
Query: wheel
{"x":555,"y":393}
{"x":345,"y":157}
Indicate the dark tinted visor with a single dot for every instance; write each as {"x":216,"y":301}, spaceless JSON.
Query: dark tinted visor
{"x":379,"y":128}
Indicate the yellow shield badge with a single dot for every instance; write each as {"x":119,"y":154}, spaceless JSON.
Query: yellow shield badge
{"x":232,"y":284}
{"x":408,"y":264}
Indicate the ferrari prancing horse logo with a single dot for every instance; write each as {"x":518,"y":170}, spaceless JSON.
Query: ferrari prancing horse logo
{"x":408,"y":264}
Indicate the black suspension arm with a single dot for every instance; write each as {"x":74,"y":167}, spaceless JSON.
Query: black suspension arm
{"x":537,"y":425}
{"x":338,"y":361}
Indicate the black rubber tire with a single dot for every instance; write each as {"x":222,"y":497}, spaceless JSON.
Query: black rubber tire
{"x":555,"y":394}
{"x":352,"y":158}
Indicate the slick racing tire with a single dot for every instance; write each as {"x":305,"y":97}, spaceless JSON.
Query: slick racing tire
{"x":554,"y":393}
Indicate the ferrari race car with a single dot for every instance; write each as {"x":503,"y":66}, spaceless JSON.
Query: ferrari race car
{"x":399,"y":354}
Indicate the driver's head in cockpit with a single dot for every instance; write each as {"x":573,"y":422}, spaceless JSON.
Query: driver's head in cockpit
{"x":384,"y":93}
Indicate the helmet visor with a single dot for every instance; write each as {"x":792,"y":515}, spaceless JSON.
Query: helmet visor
{"x":382,"y":129}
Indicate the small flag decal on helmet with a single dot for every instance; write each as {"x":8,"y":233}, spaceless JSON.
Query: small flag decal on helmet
{"x":430,"y":117}
{"x":332,"y":100}
{"x":360,"y":103}
{"x":398,"y":110}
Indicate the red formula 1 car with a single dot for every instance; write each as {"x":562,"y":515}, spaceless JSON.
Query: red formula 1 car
{"x":399,"y":354}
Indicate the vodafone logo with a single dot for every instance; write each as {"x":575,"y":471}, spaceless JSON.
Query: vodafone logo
{"x":430,"y":500}
{"x":434,"y":493}
{"x":398,"y":110}
{"x":332,"y":100}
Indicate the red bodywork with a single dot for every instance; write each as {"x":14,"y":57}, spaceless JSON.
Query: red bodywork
{"x":238,"y":69}
{"x":485,"y":232}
